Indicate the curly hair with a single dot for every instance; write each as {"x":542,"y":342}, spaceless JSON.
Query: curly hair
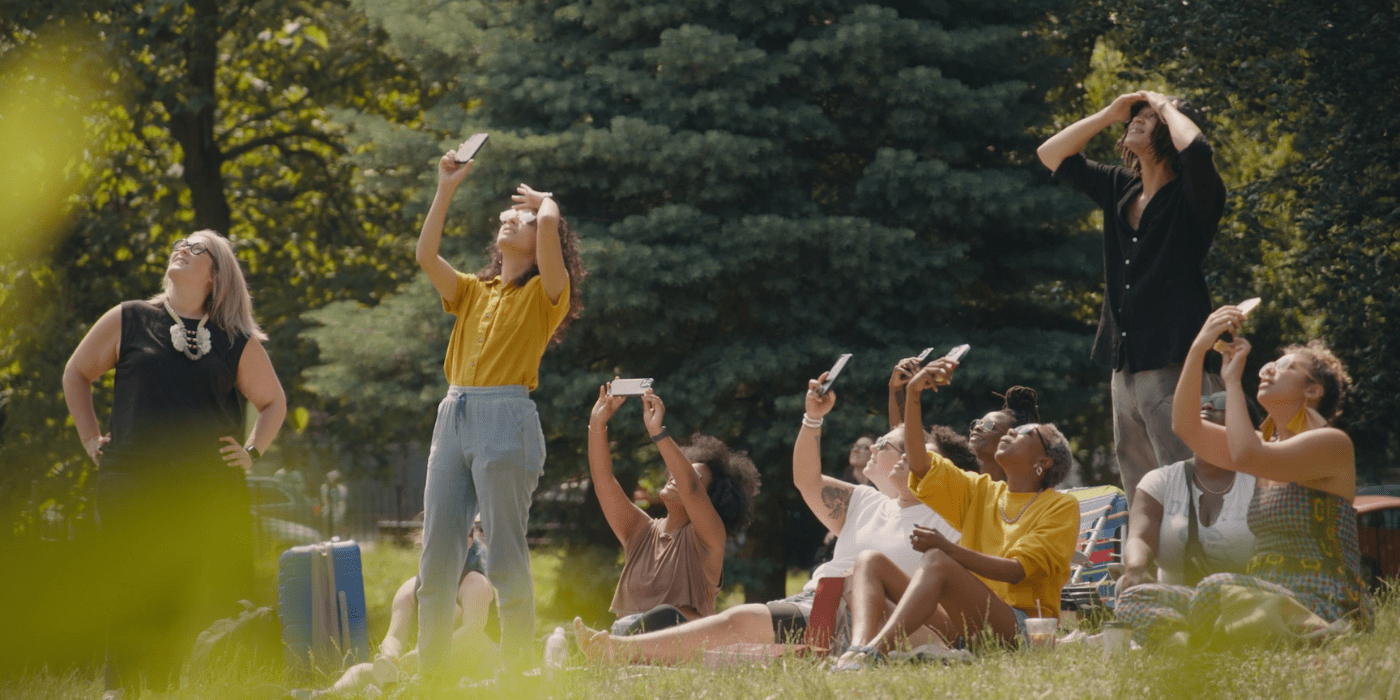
{"x":568,"y":242}
{"x":1328,"y":371}
{"x":1019,"y":402}
{"x":734,"y":480}
{"x":1061,"y":459}
{"x":953,"y":446}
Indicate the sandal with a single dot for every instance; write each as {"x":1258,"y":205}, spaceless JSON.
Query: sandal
{"x":863,"y":658}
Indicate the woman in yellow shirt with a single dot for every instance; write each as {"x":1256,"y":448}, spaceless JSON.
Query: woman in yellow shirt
{"x":1017,"y":539}
{"x":487,"y":453}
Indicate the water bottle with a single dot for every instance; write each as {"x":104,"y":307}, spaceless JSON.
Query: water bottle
{"x":556,"y":649}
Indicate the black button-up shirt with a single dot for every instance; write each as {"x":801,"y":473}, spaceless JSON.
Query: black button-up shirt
{"x":1155,"y":297}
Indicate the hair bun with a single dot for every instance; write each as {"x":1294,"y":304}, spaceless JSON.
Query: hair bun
{"x":1021,"y":401}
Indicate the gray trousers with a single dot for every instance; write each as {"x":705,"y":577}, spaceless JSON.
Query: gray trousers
{"x":1142,"y":421}
{"x":487,"y":455}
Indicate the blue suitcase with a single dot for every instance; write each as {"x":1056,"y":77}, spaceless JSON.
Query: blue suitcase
{"x":321,"y":603}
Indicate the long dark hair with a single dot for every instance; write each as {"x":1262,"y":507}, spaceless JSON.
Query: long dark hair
{"x":568,"y":243}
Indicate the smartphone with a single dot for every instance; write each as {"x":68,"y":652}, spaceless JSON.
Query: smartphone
{"x":956,"y":354}
{"x":1248,"y":305}
{"x":629,"y":387}
{"x":833,"y":374}
{"x":924,"y":355}
{"x":468,"y":149}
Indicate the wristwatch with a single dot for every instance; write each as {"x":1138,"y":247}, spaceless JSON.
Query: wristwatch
{"x":252,"y":451}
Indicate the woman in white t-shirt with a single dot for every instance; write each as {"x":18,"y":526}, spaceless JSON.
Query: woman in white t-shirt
{"x":1159,"y":521}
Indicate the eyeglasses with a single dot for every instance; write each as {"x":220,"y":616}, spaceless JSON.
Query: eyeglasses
{"x":885,"y":442}
{"x":195,"y":248}
{"x":986,"y":424}
{"x":1214,"y":401}
{"x":523,"y":216}
{"x":1031,"y":428}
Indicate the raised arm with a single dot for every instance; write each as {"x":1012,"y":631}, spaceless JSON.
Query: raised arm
{"x":1140,"y":551}
{"x":1073,"y":138}
{"x":94,"y":356}
{"x":549,"y":253}
{"x":624,"y":517}
{"x":933,"y":375}
{"x":1322,"y":455}
{"x":1204,"y":438}
{"x":443,"y":276}
{"x":1182,"y":129}
{"x":827,"y":497}
{"x":899,"y":378}
{"x":697,"y":501}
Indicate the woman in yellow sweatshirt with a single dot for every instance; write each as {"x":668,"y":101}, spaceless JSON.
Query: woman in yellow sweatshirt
{"x":1017,"y":539}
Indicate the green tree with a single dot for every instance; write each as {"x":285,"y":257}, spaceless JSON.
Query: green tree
{"x":204,"y":114}
{"x":1308,"y":94}
{"x":762,"y":187}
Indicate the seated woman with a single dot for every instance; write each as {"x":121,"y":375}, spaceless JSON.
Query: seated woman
{"x":1018,"y":408}
{"x":1159,"y":523}
{"x":1302,"y":518}
{"x":1017,"y":539}
{"x":863,"y":517}
{"x":673,"y":565}
{"x":473,"y":653}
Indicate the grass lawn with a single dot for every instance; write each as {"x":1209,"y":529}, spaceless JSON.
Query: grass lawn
{"x":1361,"y":666}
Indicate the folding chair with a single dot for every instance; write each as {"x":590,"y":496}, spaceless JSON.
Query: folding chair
{"x":1103,"y":519}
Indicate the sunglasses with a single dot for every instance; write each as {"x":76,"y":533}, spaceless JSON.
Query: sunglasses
{"x":196,"y":248}
{"x":522,"y":216}
{"x":1032,"y":428}
{"x":1214,"y":401}
{"x":1283,"y":364}
{"x":883,"y":443}
{"x":986,"y":424}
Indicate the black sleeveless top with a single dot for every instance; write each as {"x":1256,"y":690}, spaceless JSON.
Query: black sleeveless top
{"x":165,"y":405}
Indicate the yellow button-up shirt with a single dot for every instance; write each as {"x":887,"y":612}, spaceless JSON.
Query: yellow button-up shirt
{"x":501,"y":332}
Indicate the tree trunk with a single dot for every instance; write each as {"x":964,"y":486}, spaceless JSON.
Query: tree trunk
{"x":192,"y":117}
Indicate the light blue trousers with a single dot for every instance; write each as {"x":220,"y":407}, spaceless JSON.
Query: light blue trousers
{"x":487,"y":455}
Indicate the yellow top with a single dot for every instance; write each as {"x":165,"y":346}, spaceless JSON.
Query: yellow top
{"x":1042,"y":538}
{"x":501,"y":331}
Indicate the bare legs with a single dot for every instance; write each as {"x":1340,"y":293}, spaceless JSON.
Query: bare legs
{"x":749,"y":623}
{"x":941,"y":594}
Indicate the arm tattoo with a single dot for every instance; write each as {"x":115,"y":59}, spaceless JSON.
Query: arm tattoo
{"x":836,"y":499}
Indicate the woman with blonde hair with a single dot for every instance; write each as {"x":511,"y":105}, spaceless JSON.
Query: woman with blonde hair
{"x":172,"y":503}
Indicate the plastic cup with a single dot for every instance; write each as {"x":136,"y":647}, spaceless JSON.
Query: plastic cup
{"x":1117,"y":638}
{"x":1041,"y":631}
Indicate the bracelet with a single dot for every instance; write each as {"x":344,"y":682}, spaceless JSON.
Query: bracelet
{"x":591,"y":429}
{"x":811,"y":422}
{"x":661,"y":435}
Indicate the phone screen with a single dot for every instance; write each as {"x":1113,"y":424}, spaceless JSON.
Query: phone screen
{"x":834,"y":373}
{"x":468,"y":149}
{"x":924,"y":355}
{"x":956,"y":354}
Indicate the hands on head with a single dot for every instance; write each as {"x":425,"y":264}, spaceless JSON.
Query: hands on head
{"x":528,"y":198}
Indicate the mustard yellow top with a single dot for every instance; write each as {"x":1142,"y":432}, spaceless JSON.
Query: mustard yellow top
{"x":1042,"y":539}
{"x":501,"y":331}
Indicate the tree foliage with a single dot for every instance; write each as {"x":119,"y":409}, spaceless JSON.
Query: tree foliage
{"x":1313,"y":224}
{"x":762,"y":186}
{"x":205,"y":114}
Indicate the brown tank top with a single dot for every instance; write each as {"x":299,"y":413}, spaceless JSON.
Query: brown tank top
{"x":664,"y":569}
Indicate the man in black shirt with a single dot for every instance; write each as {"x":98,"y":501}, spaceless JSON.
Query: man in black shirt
{"x":1161,"y":213}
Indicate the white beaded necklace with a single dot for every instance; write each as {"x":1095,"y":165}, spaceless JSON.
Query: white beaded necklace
{"x":194,"y":343}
